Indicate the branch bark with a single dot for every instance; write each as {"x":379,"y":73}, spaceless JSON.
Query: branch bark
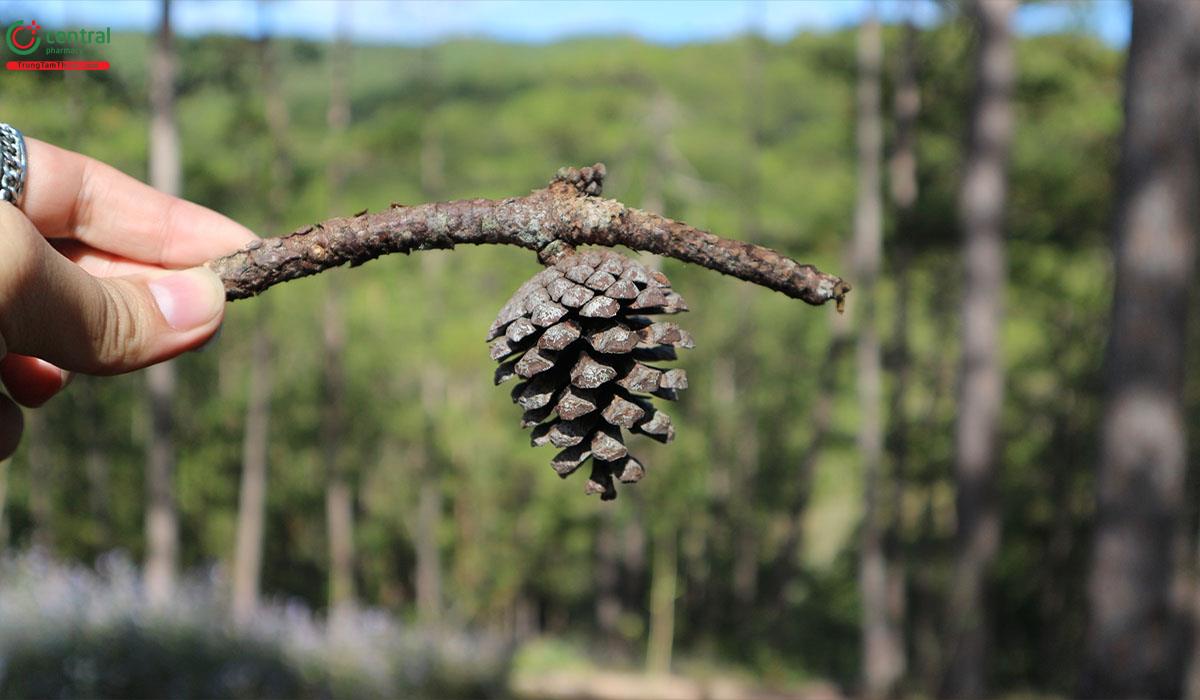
{"x":569,"y":212}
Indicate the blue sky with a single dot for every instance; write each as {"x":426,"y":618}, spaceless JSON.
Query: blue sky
{"x":424,"y":21}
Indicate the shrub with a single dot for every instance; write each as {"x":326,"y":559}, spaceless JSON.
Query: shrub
{"x":68,"y":631}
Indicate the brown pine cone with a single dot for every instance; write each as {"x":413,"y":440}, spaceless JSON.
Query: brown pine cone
{"x":578,"y":337}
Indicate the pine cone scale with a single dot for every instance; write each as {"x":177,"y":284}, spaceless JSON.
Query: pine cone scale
{"x":578,"y":336}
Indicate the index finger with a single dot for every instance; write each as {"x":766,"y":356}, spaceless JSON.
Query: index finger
{"x":73,"y":196}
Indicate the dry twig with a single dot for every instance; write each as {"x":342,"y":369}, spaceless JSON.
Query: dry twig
{"x":569,"y":212}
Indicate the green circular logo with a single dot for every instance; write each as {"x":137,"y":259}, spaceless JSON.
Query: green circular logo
{"x":21,"y":39}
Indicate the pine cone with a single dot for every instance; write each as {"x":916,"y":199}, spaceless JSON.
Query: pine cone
{"x":576,"y":334}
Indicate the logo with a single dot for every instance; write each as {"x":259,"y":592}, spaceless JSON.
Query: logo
{"x":21,"y":39}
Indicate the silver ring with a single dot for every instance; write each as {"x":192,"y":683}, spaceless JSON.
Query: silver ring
{"x":14,"y":164}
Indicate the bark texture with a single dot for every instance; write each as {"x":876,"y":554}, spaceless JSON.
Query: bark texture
{"x":567,"y":213}
{"x":1134,"y":645}
{"x":162,"y":518}
{"x":981,"y":210}
{"x":882,"y":645}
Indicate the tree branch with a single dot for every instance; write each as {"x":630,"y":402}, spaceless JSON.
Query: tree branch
{"x":569,"y":212}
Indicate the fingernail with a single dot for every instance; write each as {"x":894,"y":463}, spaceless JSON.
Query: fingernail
{"x":188,"y":298}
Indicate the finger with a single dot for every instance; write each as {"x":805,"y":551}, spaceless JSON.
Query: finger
{"x":67,"y":194}
{"x":12,"y":423}
{"x":99,"y":263}
{"x":31,"y":381}
{"x":52,"y":309}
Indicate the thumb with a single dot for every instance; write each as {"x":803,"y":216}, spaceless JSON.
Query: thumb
{"x":50,"y":308}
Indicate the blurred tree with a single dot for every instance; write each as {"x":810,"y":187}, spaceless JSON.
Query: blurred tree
{"x":97,"y":460}
{"x":251,"y":516}
{"x":906,"y":103}
{"x":736,"y":447}
{"x":1135,"y":644}
{"x":664,"y":576}
{"x":882,"y":643}
{"x":982,"y":203}
{"x":608,"y":609}
{"x":429,"y":497}
{"x":432,"y":379}
{"x":5,"y":528}
{"x":162,"y":517}
{"x":339,"y":497}
{"x":248,"y":552}
{"x":41,"y":480}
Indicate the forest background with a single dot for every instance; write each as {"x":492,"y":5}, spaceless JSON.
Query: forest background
{"x":396,"y":480}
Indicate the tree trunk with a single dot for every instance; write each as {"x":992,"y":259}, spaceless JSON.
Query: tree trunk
{"x":903,"y":181}
{"x":429,"y":500}
{"x":632,"y":540}
{"x":5,"y":531}
{"x":882,"y":647}
{"x":736,"y":448}
{"x":41,"y":480}
{"x":608,"y":578}
{"x":339,"y":511}
{"x":433,"y":392}
{"x":247,"y":560}
{"x":429,"y":565}
{"x":162,"y":518}
{"x":248,"y":553}
{"x":743,"y":437}
{"x":1133,"y":647}
{"x":664,"y":575}
{"x":339,"y":498}
{"x":166,"y":170}
{"x":97,"y":464}
{"x":981,"y":210}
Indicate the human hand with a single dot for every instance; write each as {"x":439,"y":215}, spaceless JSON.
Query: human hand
{"x":90,"y":278}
